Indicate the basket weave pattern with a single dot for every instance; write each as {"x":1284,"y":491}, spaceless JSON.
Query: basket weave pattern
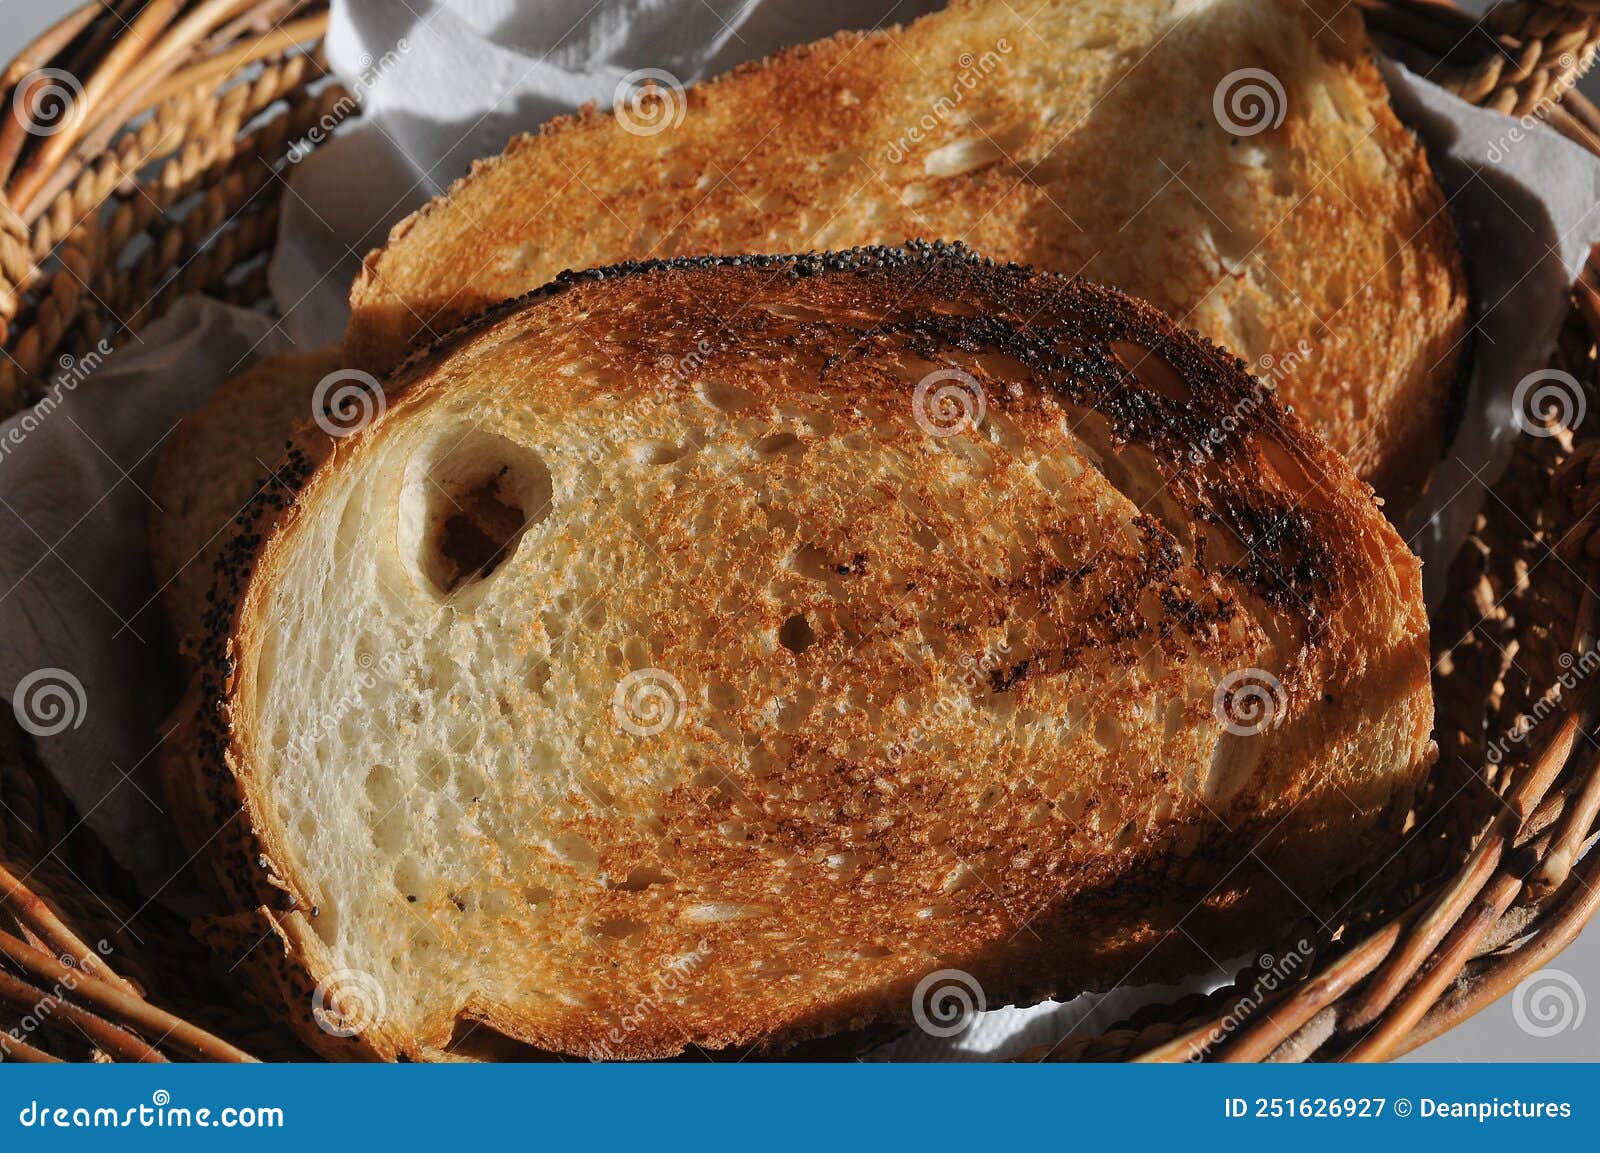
{"x":166,"y":179}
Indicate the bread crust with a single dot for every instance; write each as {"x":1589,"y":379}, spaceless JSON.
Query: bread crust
{"x":210,"y":466}
{"x":1085,"y":142}
{"x":1297,"y":551}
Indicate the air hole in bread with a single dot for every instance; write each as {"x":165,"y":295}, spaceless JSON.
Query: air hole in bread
{"x":725,"y":397}
{"x":1289,"y":468}
{"x":962,"y":157}
{"x":640,"y":878}
{"x":778,"y":444}
{"x":538,"y":677}
{"x":1233,"y":764}
{"x":955,"y":308}
{"x":464,"y":510}
{"x":796,"y":634}
{"x":1134,"y":472}
{"x":1151,"y":370}
{"x":616,"y":927}
{"x":382,"y":788}
{"x":326,"y":922}
{"x":574,"y":850}
{"x":717,"y":912}
{"x":390,"y":833}
{"x":797,"y":311}
{"x":658,"y":452}
{"x":812,"y":563}
{"x":411,"y":879}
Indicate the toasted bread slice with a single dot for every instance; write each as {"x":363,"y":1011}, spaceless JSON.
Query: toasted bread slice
{"x":212,"y":464}
{"x":745,"y":638}
{"x":1136,"y":143}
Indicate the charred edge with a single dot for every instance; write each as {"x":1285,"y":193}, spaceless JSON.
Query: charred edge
{"x":230,"y":578}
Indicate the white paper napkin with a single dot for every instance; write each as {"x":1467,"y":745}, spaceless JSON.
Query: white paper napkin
{"x":77,"y":609}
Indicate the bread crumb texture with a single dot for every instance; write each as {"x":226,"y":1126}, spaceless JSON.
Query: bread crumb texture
{"x":701,"y":653}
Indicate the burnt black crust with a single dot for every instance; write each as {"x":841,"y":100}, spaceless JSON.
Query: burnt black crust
{"x":1287,"y":561}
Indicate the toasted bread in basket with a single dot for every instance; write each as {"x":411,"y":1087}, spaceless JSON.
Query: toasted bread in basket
{"x":1235,"y":163}
{"x":214,"y":462}
{"x":703,"y":653}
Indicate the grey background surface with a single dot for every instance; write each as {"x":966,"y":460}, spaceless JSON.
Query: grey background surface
{"x":1493,"y":1035}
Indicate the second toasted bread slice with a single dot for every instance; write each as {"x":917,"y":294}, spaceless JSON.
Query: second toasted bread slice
{"x":1236,"y":163}
{"x":212,"y":465}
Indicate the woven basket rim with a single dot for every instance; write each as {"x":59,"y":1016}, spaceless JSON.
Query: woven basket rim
{"x":189,"y":88}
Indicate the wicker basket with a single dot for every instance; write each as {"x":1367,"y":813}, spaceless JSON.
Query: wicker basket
{"x":164,"y":179}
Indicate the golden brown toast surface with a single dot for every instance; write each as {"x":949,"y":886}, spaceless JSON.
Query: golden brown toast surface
{"x":1235,"y":163}
{"x":701,"y":654}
